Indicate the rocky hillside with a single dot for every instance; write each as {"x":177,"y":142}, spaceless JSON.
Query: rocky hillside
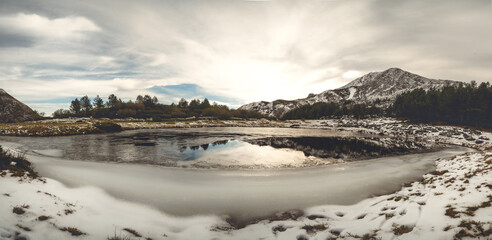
{"x":12,"y":110}
{"x":377,"y":88}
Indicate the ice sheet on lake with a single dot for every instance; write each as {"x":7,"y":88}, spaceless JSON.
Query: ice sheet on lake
{"x":243,"y":194}
{"x":50,"y":152}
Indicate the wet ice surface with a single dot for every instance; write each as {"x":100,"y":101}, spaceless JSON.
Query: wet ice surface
{"x":243,"y":194}
{"x":209,"y":147}
{"x":104,"y":161}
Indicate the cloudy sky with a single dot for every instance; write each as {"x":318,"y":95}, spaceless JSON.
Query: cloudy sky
{"x":231,"y":51}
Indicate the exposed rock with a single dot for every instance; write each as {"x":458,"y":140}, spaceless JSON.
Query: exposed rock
{"x":12,"y":110}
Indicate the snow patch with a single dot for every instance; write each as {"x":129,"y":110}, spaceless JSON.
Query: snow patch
{"x":352,"y":93}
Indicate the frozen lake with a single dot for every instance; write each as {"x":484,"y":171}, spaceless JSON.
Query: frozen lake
{"x":135,"y":166}
{"x":227,"y":148}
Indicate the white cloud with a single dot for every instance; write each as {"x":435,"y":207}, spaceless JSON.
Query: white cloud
{"x":35,"y":90}
{"x":39,"y":26}
{"x":48,"y":108}
{"x":352,"y":74}
{"x":159,"y":59}
{"x":250,"y":51}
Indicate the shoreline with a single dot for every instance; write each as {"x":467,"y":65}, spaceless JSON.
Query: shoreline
{"x":254,"y":168}
{"x":230,"y":188}
{"x":434,"y":208}
{"x":84,"y":126}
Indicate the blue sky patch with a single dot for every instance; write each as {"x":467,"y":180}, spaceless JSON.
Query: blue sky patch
{"x":190,"y":91}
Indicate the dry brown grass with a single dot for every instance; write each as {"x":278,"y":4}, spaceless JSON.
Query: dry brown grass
{"x":470,"y":211}
{"x":450,"y":180}
{"x":73,"y":231}
{"x":477,"y":171}
{"x":17,"y":165}
{"x":133,"y":232}
{"x":311,"y":229}
{"x":115,"y":237}
{"x":279,"y":228}
{"x":69,"y":211}
{"x":447,"y":228}
{"x":43,"y":218}
{"x":45,"y":128}
{"x":23,"y":227}
{"x":387,"y":215}
{"x":439,"y":173}
{"x":401,"y":229}
{"x":362,"y":216}
{"x":314,"y":216}
{"x":367,"y":236}
{"x":87,"y":126}
{"x":473,"y":229}
{"x":398,"y":198}
{"x":18,"y":210}
{"x":451,"y":212}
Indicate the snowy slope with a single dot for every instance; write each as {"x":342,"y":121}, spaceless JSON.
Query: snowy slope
{"x":383,"y":86}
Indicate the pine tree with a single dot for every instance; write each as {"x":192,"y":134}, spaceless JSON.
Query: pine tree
{"x":139,"y":99}
{"x":463,"y":104}
{"x":75,"y":106}
{"x":98,"y":102}
{"x":112,"y":101}
{"x":85,"y":104}
{"x":147,"y":100}
{"x":205,"y":104}
{"x":183,"y":103}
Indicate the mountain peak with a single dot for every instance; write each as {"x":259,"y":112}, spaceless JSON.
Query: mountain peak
{"x":381,"y":87}
{"x":394,"y":69}
{"x":394,"y":75}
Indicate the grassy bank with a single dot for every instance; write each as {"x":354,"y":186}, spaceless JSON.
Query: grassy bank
{"x":16,"y":164}
{"x":81,"y":126}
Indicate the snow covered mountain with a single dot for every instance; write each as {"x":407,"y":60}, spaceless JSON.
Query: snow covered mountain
{"x":378,"y":88}
{"x":12,"y":110}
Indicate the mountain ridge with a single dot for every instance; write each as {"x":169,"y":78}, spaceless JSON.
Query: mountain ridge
{"x":378,"y":88}
{"x":12,"y":110}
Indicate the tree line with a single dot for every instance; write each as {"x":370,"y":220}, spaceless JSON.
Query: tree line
{"x":332,"y":110}
{"x":145,"y":107}
{"x":463,"y":104}
{"x":469,"y":105}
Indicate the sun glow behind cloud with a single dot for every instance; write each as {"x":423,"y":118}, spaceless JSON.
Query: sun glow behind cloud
{"x":351,"y":74}
{"x":242,"y":51}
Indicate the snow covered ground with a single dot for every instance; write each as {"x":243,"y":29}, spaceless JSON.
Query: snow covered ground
{"x":454,"y":201}
{"x":89,"y":210}
{"x":243,"y":194}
